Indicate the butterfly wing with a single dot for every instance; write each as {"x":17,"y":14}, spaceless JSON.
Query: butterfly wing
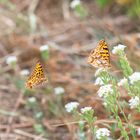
{"x":37,"y":77}
{"x":99,"y":57}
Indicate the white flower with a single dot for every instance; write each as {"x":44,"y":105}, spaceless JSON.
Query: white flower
{"x":24,"y":72}
{"x":118,"y":48}
{"x":105,"y":104}
{"x":99,"y":71}
{"x":98,"y":81}
{"x":85,"y":109}
{"x":102,"y":132}
{"x":74,"y":3}
{"x":134,"y":102}
{"x":11,"y":59}
{"x":32,"y":99}
{"x":59,"y":90}
{"x":71,"y":106}
{"x":138,"y":131}
{"x":44,"y":48}
{"x":105,"y":90}
{"x":134,"y":77}
{"x":122,"y":82}
{"x":81,"y":122}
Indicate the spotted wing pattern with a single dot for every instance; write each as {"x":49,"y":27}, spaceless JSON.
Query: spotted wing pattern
{"x":100,"y":57}
{"x":37,"y":77}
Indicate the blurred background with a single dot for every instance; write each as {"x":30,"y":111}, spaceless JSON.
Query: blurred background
{"x":61,"y":34}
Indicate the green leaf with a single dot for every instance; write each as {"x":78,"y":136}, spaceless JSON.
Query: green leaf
{"x":103,"y":3}
{"x":39,"y":128}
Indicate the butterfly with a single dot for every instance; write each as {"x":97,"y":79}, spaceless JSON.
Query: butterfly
{"x":100,"y":57}
{"x":37,"y":77}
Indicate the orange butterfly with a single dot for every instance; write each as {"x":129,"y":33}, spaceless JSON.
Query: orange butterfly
{"x":37,"y":77}
{"x":100,"y":57}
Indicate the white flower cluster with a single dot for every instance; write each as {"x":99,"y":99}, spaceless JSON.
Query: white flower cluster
{"x":118,"y":48}
{"x":104,"y":91}
{"x":32,"y":99}
{"x":138,"y":131}
{"x":71,"y":106}
{"x":102,"y":132}
{"x":122,"y":82}
{"x":134,"y":77}
{"x":44,"y":48}
{"x":85,"y":109}
{"x":99,"y":71}
{"x":74,"y":3}
{"x":24,"y":72}
{"x":59,"y":90}
{"x":98,"y":81}
{"x":134,"y":102}
{"x":11,"y":59}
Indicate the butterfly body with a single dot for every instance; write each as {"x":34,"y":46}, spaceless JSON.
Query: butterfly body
{"x":99,"y":57}
{"x":37,"y":77}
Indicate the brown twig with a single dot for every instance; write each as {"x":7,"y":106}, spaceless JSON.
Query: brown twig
{"x":96,"y":123}
{"x":29,"y":135}
{"x":10,"y":120}
{"x":15,"y":126}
